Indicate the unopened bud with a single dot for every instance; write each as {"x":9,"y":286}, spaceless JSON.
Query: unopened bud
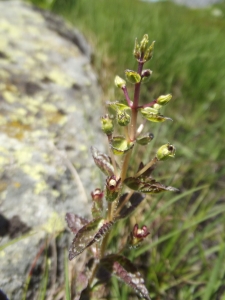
{"x":97,"y":195}
{"x":165,"y":152}
{"x":119,"y":82}
{"x":144,"y":44}
{"x":107,"y":124}
{"x":112,"y":188}
{"x":163,"y":99}
{"x":149,"y":52}
{"x":137,"y":51}
{"x":132,"y":76}
{"x":123,"y":118}
{"x":145,"y":75}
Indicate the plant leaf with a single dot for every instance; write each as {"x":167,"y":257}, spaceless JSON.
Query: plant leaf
{"x":102,"y":161}
{"x":131,"y":205}
{"x":124,"y":269}
{"x":147,"y":185}
{"x":90,"y":233}
{"x":74,"y":222}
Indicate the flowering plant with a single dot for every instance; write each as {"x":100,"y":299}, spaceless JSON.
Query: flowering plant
{"x":122,"y":194}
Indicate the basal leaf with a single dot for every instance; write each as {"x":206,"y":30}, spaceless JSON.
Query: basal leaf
{"x":103,"y":161}
{"x":130,"y":206}
{"x":74,"y":222}
{"x":90,"y":233}
{"x":124,"y":269}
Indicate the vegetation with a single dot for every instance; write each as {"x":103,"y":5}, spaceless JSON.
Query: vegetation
{"x":186,"y":247}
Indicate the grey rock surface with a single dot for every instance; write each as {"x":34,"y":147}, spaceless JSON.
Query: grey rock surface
{"x":49,"y":117}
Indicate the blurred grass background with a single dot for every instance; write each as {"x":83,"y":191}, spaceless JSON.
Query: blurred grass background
{"x":186,"y":250}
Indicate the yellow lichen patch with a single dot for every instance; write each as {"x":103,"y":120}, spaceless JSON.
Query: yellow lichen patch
{"x":60,"y":78}
{"x":54,"y":224}
{"x":41,"y":57}
{"x":48,"y":107}
{"x":40,"y":187}
{"x":9,"y":96}
{"x":14,"y":129}
{"x":56,"y":118}
{"x":34,"y":171}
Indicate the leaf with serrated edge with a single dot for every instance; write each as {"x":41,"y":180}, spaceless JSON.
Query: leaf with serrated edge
{"x":92,"y":232}
{"x":131,"y":205}
{"x":147,"y":185}
{"x":75,"y":222}
{"x":124,"y":269}
{"x":102,"y":161}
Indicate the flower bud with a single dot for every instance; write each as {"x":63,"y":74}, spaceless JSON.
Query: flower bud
{"x":112,"y":188}
{"x":165,"y":152}
{"x":137,"y":51}
{"x":97,"y":195}
{"x":145,"y":75}
{"x":163,"y":99}
{"x":119,"y":82}
{"x":97,"y":205}
{"x":107,"y":124}
{"x":132,"y":76}
{"x":149,"y":52}
{"x":123,"y":118}
{"x":144,"y":44}
{"x":138,"y":235}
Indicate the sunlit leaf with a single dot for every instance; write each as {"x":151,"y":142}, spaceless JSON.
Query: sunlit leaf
{"x":124,"y":269}
{"x":103,"y":161}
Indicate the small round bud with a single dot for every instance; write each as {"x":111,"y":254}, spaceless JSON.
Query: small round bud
{"x":165,"y":152}
{"x":123,"y":118}
{"x":119,"y":82}
{"x":145,"y":75}
{"x":107,"y":124}
{"x":97,"y":195}
{"x":163,"y":99}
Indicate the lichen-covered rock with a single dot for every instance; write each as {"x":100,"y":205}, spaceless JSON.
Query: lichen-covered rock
{"x":49,"y":113}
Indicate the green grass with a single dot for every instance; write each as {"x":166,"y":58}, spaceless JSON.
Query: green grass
{"x":186,"y":249}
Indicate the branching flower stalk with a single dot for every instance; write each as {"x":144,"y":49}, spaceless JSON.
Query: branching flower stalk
{"x":120,"y":201}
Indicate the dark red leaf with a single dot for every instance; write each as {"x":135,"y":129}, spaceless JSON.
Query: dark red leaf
{"x":92,"y":232}
{"x":124,"y":269}
{"x":130,"y":206}
{"x":74,"y":222}
{"x":102,"y":161}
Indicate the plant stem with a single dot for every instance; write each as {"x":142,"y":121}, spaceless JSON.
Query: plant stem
{"x":150,"y":164}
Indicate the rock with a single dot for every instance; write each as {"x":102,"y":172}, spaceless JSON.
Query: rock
{"x":49,"y":118}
